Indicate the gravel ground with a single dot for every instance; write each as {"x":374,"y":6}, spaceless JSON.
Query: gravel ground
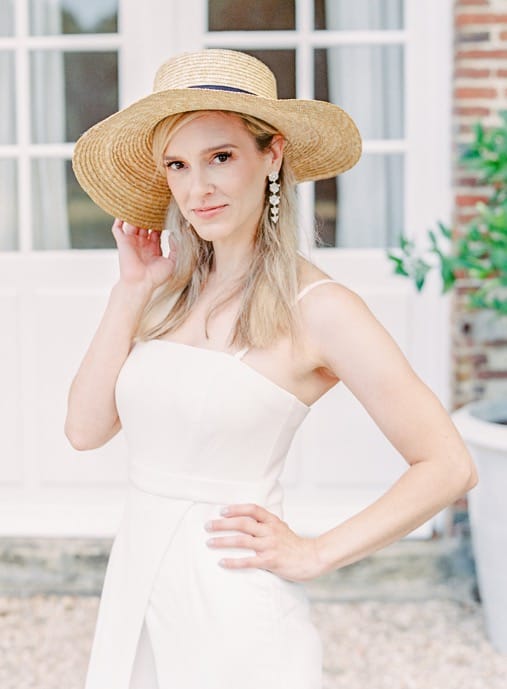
{"x":45,"y":641}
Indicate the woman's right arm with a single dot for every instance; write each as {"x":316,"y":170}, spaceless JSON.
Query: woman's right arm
{"x":92,"y":416}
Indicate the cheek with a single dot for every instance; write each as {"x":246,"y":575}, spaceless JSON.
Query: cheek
{"x":175,"y":187}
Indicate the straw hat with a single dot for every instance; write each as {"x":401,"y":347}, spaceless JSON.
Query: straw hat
{"x":113,"y":160}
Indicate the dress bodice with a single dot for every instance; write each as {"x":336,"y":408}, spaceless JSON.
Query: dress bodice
{"x":192,"y":415}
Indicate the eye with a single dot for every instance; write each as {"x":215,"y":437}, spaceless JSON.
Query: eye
{"x":222,"y":157}
{"x":173,"y":164}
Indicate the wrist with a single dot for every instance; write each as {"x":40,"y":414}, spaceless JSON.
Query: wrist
{"x":325,"y":560}
{"x":142,"y":291}
{"x":131,"y":297}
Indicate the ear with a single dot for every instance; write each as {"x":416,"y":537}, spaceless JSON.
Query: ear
{"x":276,"y":151}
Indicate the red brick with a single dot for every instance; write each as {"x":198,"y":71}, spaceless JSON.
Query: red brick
{"x":483,"y":18}
{"x":472,"y":111}
{"x":501,"y":73}
{"x":471,"y":73}
{"x":463,"y":129}
{"x":481,"y":54}
{"x":491,"y":374}
{"x":503,"y":35}
{"x":469,"y":200}
{"x":471,"y":92}
{"x":466,"y":181}
{"x":467,"y":3}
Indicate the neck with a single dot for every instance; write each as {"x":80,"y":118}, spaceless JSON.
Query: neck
{"x":229,"y":263}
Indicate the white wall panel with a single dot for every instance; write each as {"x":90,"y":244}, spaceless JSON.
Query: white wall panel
{"x":11,"y":469}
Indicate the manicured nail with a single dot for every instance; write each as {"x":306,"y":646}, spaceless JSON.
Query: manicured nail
{"x":224,"y":510}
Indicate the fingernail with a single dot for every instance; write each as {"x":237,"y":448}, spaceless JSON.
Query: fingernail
{"x":208,"y":526}
{"x":224,"y":510}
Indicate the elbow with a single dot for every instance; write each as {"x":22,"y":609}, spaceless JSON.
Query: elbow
{"x":77,"y":440}
{"x":473,"y":478}
{"x":470,"y":477}
{"x":90,"y":439}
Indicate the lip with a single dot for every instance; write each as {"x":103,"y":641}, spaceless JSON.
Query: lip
{"x":209,"y":211}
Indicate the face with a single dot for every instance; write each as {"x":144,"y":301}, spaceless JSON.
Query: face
{"x":217,"y":175}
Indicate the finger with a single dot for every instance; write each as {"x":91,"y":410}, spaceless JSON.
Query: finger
{"x":143,"y":232}
{"x":116,"y":226}
{"x":252,"y":510}
{"x":239,"y":563}
{"x":246,"y":524}
{"x":129,"y":229}
{"x":232,"y":542}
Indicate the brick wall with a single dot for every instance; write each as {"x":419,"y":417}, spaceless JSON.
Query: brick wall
{"x":480,"y":91}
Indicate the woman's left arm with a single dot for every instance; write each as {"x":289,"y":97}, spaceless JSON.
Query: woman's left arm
{"x":356,"y":347}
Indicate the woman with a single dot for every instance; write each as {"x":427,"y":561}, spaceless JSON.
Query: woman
{"x":209,"y":406}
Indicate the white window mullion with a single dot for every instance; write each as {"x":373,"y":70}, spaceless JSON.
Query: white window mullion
{"x":88,"y":42}
{"x":327,"y":39}
{"x":23,"y":127}
{"x":305,"y":89}
{"x":292,"y":39}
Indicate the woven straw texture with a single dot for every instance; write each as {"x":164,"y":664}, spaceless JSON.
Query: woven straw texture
{"x":113,"y":161}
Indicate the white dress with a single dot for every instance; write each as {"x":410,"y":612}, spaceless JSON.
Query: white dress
{"x":204,"y":430}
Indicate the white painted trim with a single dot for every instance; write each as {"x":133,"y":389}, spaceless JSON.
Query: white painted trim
{"x":101,"y":518}
{"x":23,"y":111}
{"x":71,"y":42}
{"x":292,"y":39}
{"x":428,"y":173}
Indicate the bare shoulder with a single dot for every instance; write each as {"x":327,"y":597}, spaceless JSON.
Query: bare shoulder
{"x":317,"y":300}
{"x":309,"y":272}
{"x":343,"y":333}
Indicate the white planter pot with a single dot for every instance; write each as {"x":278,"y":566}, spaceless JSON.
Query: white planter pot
{"x":486,"y":438}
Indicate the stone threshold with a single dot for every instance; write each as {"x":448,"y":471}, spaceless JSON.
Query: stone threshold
{"x":408,"y":570}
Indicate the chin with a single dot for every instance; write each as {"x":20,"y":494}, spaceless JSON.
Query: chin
{"x":210,"y":232}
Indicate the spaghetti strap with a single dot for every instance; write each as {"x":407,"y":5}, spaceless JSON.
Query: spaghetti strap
{"x":242,"y":352}
{"x":311,"y":285}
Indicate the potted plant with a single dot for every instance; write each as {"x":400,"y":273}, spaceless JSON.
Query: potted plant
{"x":479,"y":257}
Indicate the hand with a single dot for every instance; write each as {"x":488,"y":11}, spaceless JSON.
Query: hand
{"x":278,"y":548}
{"x":141,"y":259}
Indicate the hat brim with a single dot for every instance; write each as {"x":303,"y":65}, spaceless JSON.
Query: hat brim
{"x":113,"y":161}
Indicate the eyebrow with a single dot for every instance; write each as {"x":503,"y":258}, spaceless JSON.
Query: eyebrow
{"x":206,"y":151}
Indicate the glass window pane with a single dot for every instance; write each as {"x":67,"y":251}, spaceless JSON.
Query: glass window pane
{"x":262,"y":15}
{"x":50,"y":17}
{"x":70,"y":92}
{"x":8,"y":205}
{"x":6,"y":17}
{"x":7,"y":99}
{"x":64,"y":217}
{"x":344,"y":15}
{"x":363,"y":207}
{"x":367,"y":81}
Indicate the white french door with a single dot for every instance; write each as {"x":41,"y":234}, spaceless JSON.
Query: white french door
{"x":387,"y":62}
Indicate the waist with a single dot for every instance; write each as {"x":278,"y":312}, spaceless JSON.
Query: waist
{"x":265,"y":492}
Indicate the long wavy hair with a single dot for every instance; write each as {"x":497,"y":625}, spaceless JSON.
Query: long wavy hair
{"x":269,"y":286}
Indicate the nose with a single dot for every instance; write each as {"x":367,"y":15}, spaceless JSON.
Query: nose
{"x":202,"y":182}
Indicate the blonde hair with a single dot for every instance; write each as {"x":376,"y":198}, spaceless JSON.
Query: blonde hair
{"x":268,"y":306}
